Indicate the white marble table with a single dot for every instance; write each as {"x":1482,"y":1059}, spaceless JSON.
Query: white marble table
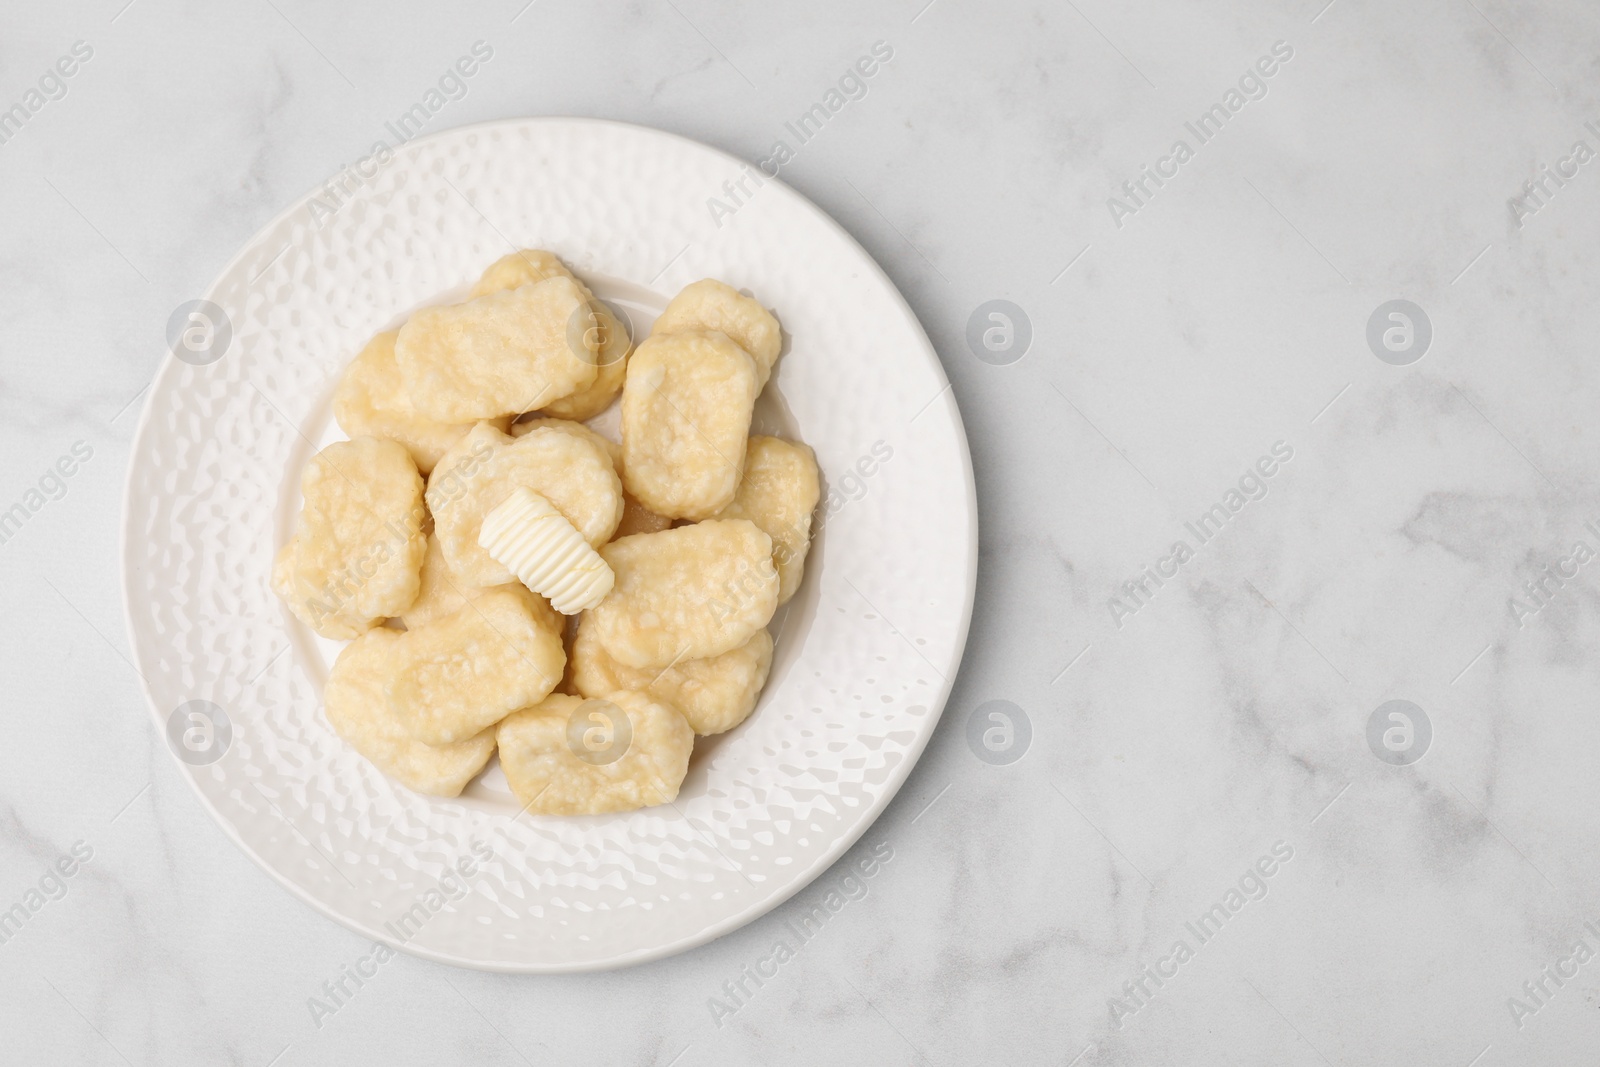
{"x":1199,"y":771}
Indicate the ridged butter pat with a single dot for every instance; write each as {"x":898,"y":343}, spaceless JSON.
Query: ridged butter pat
{"x":536,"y":542}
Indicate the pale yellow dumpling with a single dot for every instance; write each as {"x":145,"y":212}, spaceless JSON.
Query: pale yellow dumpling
{"x":688,"y":593}
{"x":577,"y":756}
{"x":371,"y":401}
{"x":672,"y":547}
{"x":712,"y":305}
{"x":572,"y":472}
{"x":611,"y":342}
{"x":636,"y":518}
{"x":500,"y":354}
{"x":577,"y":429}
{"x":778,"y":493}
{"x":356,"y":554}
{"x":359,"y":712}
{"x":441,"y":593}
{"x":526,"y":267}
{"x":454,"y":676}
{"x":714,"y":694}
{"x":686,"y":411}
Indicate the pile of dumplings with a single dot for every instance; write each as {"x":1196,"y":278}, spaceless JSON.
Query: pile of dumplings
{"x":472,"y":501}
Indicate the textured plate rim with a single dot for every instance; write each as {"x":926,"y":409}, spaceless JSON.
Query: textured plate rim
{"x":802,"y":877}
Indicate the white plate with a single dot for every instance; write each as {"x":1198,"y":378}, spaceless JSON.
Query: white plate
{"x":865,"y":654}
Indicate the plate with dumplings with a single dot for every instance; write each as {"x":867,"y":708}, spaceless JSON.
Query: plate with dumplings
{"x":535,"y":570}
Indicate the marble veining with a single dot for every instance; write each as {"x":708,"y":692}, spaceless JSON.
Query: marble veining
{"x":1423,"y":544}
